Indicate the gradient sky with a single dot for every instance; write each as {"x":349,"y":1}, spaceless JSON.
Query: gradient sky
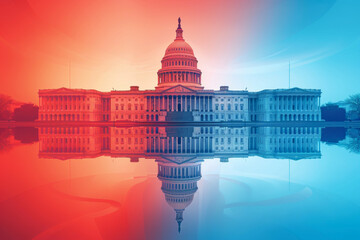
{"x":243,"y":44}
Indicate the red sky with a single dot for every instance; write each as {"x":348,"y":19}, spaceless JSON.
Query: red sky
{"x":112,"y":44}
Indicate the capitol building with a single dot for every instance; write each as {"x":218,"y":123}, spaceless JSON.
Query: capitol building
{"x":179,"y":96}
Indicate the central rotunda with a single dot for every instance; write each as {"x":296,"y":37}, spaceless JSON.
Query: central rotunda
{"x":179,"y":65}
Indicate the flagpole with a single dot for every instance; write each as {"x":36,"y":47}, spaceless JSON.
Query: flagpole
{"x":289,"y":74}
{"x":69,"y":73}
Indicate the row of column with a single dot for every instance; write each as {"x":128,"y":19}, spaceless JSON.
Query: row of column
{"x":299,"y":102}
{"x":179,"y":145}
{"x":62,"y":102}
{"x":179,"y":77}
{"x":298,"y":146}
{"x":170,"y":63}
{"x":62,"y":145}
{"x":64,"y":117}
{"x":296,"y":117}
{"x":181,"y":103}
{"x":179,"y":172}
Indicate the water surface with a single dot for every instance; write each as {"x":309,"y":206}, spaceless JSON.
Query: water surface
{"x":179,"y":183}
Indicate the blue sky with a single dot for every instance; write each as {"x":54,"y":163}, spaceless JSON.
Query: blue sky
{"x":321,"y":39}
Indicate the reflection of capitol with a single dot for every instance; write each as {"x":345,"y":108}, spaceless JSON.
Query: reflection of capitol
{"x":175,"y":143}
{"x":179,"y":151}
{"x":179,"y":184}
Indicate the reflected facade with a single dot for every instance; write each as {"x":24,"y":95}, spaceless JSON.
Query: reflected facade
{"x":175,"y":143}
{"x":179,"y":151}
{"x":175,"y":187}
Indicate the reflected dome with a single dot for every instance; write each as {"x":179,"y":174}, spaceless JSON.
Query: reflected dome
{"x":179,"y":184}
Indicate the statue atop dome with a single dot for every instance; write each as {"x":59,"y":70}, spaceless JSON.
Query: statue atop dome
{"x":179,"y":218}
{"x":179,"y":23}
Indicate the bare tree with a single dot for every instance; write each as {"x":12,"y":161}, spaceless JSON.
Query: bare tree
{"x":354,"y":102}
{"x":353,"y":145}
{"x":4,"y":139}
{"x":5,"y":102}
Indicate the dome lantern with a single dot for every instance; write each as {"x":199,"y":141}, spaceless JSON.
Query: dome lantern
{"x":179,"y":30}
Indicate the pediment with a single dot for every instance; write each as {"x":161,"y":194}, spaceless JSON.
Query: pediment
{"x":179,"y":89}
{"x":61,"y":90}
{"x":294,"y":90}
{"x":299,"y":90}
{"x":64,"y":90}
{"x":179,"y":159}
